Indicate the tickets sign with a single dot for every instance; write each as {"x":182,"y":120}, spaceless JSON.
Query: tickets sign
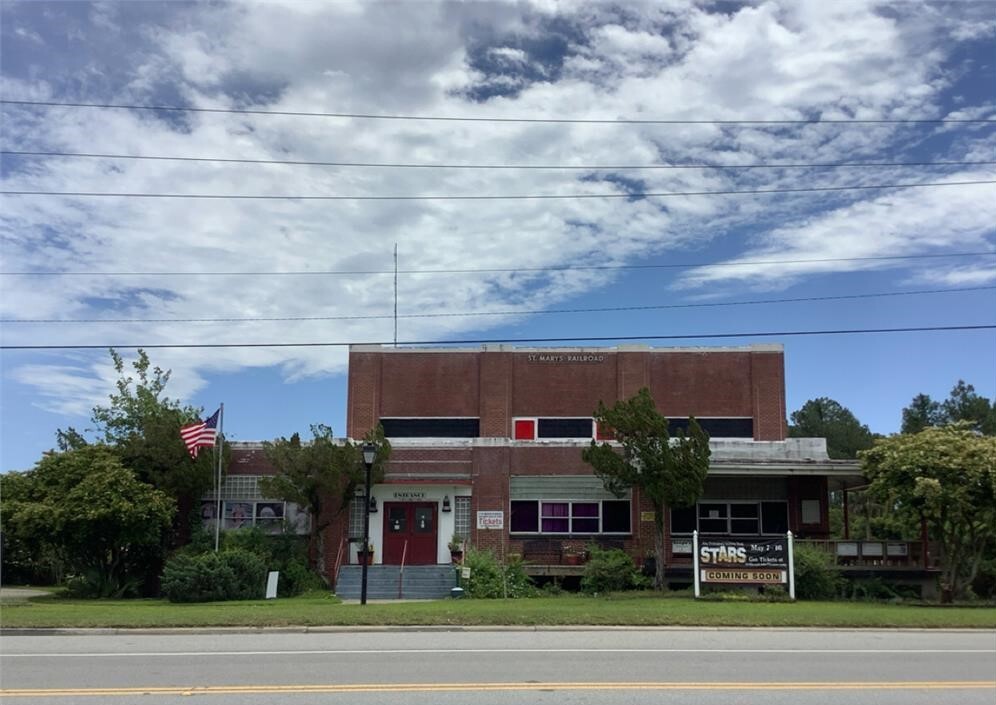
{"x":491,"y":520}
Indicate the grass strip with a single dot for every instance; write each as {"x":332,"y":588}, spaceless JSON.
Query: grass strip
{"x":637,"y":610}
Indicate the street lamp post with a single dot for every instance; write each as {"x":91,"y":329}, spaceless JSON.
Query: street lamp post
{"x":369,"y":454}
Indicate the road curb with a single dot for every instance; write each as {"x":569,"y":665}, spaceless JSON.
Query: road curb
{"x":103,"y":631}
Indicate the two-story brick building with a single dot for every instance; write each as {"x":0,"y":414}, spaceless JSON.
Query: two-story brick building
{"x":492,"y":437}
{"x":487,"y":446}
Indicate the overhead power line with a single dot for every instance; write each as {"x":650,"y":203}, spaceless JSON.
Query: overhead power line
{"x":458,"y":118}
{"x":488,"y":197}
{"x":496,"y":270}
{"x":484,"y":341}
{"x":509,"y":312}
{"x":407,"y":165}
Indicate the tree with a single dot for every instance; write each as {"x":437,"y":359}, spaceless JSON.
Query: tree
{"x":322,"y":476}
{"x":921,"y":413}
{"x":962,"y":404}
{"x":142,"y":425}
{"x":826,"y":418}
{"x":100,"y":518}
{"x":670,"y":472}
{"x":947,"y":477}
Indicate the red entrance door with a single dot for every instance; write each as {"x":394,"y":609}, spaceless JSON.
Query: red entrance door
{"x":414,"y":524}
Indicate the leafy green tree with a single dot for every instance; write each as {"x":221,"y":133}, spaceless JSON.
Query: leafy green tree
{"x":946,"y":476}
{"x":321,"y":476}
{"x":100,"y":518}
{"x":826,"y":418}
{"x":921,"y":413}
{"x":670,"y":472}
{"x":142,"y":425}
{"x":963,"y":404}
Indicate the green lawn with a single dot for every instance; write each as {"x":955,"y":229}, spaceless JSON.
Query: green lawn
{"x":637,"y":610}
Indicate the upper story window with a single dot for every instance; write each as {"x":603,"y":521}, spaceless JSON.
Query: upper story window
{"x":432,"y":427}
{"x":557,"y":428}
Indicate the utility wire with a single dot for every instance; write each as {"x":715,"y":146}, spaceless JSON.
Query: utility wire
{"x":454,"y":118}
{"x":485,"y":341}
{"x":406,"y":165}
{"x":496,"y":270}
{"x":489,"y":197}
{"x":510,"y":312}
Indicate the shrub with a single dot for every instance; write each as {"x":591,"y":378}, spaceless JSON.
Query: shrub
{"x":816,"y":576}
{"x":209,"y":577}
{"x":489,"y":579}
{"x":285,"y":553}
{"x":609,"y":571}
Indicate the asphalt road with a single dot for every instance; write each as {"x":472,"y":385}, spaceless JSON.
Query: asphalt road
{"x":605,"y":666}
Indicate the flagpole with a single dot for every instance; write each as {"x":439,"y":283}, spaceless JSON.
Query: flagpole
{"x":219,"y":447}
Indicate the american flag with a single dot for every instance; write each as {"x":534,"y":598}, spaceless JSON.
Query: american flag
{"x":201,"y":434}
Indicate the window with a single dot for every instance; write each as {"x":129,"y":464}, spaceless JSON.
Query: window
{"x":531,"y":428}
{"x":713,"y":518}
{"x":461,"y":517}
{"x":524,"y":517}
{"x":745,"y":518}
{"x":736,"y":518}
{"x":357,"y":515}
{"x":567,"y":517}
{"x":774,"y":518}
{"x":683,"y":520}
{"x":441,"y":427}
{"x":615,"y":517}
{"x":810,"y":511}
{"x":565,"y":428}
{"x":243,"y":505}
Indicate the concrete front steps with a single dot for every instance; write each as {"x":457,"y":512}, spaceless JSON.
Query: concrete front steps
{"x":419,"y":582}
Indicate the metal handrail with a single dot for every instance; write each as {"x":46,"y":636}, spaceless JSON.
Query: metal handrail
{"x":401,"y":572}
{"x":338,"y":563}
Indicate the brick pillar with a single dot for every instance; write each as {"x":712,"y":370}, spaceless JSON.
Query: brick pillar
{"x":632,"y":373}
{"x":363,"y":393}
{"x":490,"y":477}
{"x":767,"y":374}
{"x":496,"y":394}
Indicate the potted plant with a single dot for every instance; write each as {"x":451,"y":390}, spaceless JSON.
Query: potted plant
{"x":456,"y":549}
{"x":572,"y":556}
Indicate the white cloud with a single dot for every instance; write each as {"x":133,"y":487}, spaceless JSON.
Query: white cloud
{"x":770,"y":61}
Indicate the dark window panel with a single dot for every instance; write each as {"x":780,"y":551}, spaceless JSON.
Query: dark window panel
{"x":431,"y":428}
{"x":682,"y":520}
{"x":564,"y":428}
{"x":774,"y":517}
{"x":743,"y":526}
{"x":525,"y":517}
{"x":584,"y":526}
{"x":615,"y":517}
{"x":743,"y":511}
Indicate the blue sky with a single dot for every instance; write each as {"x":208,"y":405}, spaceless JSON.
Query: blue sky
{"x":668,"y":61}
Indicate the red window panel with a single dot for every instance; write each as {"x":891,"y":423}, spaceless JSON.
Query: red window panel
{"x":603,"y":432}
{"x":525,"y":429}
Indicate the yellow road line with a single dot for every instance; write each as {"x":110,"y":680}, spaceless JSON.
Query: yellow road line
{"x":451,"y":687}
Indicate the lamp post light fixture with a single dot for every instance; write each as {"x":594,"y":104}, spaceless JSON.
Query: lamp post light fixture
{"x":369,"y":454}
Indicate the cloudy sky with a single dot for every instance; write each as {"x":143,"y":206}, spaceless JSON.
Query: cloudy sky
{"x":135,"y":271}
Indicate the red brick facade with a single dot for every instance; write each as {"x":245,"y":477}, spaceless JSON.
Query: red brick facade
{"x":498,"y":385}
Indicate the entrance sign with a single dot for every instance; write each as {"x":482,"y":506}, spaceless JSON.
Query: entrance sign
{"x":491,"y":520}
{"x":743,"y":562}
